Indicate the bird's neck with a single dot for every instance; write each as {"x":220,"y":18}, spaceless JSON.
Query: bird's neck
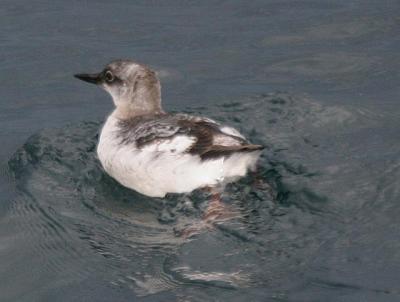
{"x":143,"y":98}
{"x":129,"y":110}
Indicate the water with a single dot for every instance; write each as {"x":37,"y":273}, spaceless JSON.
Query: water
{"x":315,"y":82}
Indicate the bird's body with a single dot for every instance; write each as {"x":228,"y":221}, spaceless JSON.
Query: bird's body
{"x":156,"y":153}
{"x":159,"y":154}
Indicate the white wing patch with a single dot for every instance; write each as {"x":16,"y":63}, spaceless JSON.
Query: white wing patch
{"x":231,"y":131}
{"x":230,"y":137}
{"x":175,"y":145}
{"x":225,"y":140}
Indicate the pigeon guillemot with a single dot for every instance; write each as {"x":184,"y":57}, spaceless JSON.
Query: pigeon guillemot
{"x":154,"y":152}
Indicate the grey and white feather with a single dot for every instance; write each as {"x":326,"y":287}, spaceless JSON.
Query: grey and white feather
{"x":154,"y":152}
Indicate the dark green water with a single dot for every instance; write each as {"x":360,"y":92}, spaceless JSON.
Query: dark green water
{"x":315,"y":82}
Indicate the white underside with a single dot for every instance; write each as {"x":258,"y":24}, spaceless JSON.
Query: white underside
{"x":158,"y":169}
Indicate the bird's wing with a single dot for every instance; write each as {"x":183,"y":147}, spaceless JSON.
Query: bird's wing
{"x":183,"y":133}
{"x":214,"y":140}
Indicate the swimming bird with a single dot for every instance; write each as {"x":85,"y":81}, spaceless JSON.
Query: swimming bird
{"x":154,"y":152}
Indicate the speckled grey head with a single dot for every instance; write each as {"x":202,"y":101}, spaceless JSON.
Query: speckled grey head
{"x":135,"y":88}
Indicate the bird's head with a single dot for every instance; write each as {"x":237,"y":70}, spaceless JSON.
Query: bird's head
{"x":134,"y":88}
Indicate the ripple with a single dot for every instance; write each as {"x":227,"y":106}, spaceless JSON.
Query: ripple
{"x":345,"y":30}
{"x":325,"y":65}
{"x":81,"y":221}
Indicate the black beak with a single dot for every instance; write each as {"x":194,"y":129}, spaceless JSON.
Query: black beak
{"x":95,"y":78}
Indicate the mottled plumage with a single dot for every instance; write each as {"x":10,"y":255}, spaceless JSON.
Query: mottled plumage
{"x":210,"y":139}
{"x":154,"y":152}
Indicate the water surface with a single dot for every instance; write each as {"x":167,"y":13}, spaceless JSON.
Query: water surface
{"x":316,"y":83}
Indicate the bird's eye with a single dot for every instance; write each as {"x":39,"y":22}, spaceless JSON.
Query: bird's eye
{"x":109,"y":77}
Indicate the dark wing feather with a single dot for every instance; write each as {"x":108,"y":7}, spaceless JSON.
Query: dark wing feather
{"x":222,"y":151}
{"x":145,"y":130}
{"x":205,"y":147}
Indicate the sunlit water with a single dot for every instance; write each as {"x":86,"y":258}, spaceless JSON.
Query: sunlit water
{"x":319,"y":221}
